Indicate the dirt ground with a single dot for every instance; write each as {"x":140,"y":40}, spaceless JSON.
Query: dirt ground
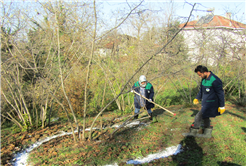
{"x":14,"y":143}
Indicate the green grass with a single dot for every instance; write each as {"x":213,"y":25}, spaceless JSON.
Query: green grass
{"x":227,"y":146}
{"x":228,"y":142}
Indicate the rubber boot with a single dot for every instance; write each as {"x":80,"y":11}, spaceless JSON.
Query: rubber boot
{"x":207,"y":133}
{"x":150,"y":118}
{"x":136,"y":116}
{"x":193,"y":132}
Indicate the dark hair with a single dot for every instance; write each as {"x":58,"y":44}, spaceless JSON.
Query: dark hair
{"x":201,"y":69}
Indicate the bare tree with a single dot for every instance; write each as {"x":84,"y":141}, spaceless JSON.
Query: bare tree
{"x":139,"y":69}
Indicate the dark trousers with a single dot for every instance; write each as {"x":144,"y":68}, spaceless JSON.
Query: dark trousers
{"x":198,"y":121}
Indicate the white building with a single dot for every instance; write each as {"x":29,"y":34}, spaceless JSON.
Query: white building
{"x":212,"y":37}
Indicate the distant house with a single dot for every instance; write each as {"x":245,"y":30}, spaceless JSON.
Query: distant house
{"x":107,"y":49}
{"x":113,"y":45}
{"x":212,"y":37}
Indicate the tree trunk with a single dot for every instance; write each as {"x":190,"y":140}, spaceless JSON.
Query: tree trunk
{"x":88,"y":68}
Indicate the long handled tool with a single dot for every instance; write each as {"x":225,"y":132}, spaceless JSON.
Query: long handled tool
{"x":153,"y":103}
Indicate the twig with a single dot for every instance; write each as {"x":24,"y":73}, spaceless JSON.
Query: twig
{"x":125,"y":123}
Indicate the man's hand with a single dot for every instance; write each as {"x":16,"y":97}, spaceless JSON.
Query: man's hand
{"x":150,"y":100}
{"x":221,"y":110}
{"x":195,"y":101}
{"x":132,"y":91}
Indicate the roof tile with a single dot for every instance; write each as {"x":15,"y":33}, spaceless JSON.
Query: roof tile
{"x":216,"y":21}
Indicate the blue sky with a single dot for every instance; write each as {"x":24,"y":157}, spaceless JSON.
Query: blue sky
{"x":237,"y":8}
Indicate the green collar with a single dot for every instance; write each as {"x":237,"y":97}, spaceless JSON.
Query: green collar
{"x":148,"y":86}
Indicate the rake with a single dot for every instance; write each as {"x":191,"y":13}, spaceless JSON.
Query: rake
{"x":174,"y":114}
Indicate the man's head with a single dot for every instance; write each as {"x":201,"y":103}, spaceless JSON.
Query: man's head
{"x":142,"y":81}
{"x":202,"y":71}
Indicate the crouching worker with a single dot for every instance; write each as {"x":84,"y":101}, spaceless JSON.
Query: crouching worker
{"x":213,"y":104}
{"x":145,"y":89}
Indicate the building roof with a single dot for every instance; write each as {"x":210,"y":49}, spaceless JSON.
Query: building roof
{"x":213,"y":21}
{"x":109,"y":42}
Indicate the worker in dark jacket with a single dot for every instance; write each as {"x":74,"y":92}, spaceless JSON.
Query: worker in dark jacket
{"x":213,"y":104}
{"x":145,"y":89}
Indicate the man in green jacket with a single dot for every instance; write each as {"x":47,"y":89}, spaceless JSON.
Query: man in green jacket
{"x":213,"y":104}
{"x":144,"y":88}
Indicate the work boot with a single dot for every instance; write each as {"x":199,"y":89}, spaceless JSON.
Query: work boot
{"x":207,"y":133}
{"x":150,"y":118}
{"x":193,"y":132}
{"x":136,"y":116}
